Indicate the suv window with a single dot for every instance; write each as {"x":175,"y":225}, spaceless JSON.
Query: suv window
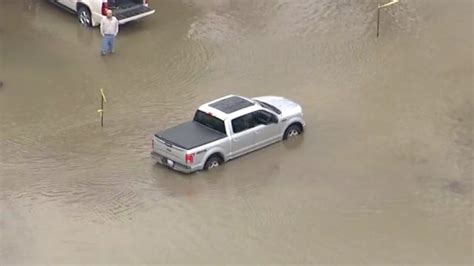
{"x":243,"y":123}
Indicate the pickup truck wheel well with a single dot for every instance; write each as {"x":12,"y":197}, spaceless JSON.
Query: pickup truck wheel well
{"x":297,"y":124}
{"x":218,"y":155}
{"x":213,"y":161}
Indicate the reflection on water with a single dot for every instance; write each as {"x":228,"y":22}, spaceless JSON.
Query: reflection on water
{"x":385,"y":164}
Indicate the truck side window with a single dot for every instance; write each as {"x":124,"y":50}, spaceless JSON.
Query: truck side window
{"x":263,"y":117}
{"x":243,"y":123}
{"x":209,"y":121}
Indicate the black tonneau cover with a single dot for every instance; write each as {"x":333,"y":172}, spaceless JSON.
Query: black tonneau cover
{"x":190,"y":135}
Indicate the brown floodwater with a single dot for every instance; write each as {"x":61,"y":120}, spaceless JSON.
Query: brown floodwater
{"x":383,"y":173}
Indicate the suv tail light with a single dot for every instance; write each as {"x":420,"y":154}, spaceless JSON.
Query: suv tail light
{"x":145,"y":2}
{"x":189,"y":158}
{"x":105,"y":6}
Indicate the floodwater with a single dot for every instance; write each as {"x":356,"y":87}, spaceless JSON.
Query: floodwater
{"x":383,"y":173}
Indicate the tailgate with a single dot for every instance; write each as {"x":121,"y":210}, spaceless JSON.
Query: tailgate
{"x":133,"y":13}
{"x":169,"y":150}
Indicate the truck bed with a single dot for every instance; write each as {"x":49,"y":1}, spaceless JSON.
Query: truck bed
{"x":189,"y":135}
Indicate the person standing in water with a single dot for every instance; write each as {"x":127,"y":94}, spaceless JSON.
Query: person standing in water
{"x":109,"y":27}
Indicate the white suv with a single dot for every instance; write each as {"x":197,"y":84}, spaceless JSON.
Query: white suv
{"x":91,"y":12}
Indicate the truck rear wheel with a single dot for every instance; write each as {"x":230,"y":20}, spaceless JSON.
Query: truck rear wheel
{"x":213,"y":162}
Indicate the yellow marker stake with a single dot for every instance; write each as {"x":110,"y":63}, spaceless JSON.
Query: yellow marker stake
{"x":378,"y":13}
{"x":103,"y":95}
{"x":389,"y":4}
{"x":101,"y":110}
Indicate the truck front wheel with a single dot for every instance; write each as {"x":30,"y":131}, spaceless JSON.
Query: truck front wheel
{"x":292,"y":131}
{"x":213,"y":162}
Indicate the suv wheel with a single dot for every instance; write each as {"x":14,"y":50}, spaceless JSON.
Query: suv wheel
{"x":84,"y":16}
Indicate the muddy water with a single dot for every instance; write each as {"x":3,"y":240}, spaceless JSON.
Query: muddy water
{"x":383,"y":173}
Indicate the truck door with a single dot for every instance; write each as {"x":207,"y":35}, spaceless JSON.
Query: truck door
{"x":267,"y":130}
{"x":243,"y":137}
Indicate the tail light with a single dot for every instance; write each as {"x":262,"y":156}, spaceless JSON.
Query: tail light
{"x":189,"y":158}
{"x":145,"y":2}
{"x":105,"y":6}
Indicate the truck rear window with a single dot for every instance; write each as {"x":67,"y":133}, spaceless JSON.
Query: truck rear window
{"x":209,"y":121}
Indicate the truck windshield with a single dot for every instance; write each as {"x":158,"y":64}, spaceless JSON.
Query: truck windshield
{"x":269,"y":106}
{"x":209,"y":121}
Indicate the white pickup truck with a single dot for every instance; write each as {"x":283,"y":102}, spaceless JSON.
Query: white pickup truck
{"x":91,"y":12}
{"x":225,"y":129}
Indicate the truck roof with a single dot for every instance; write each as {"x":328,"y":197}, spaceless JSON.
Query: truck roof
{"x":230,"y":105}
